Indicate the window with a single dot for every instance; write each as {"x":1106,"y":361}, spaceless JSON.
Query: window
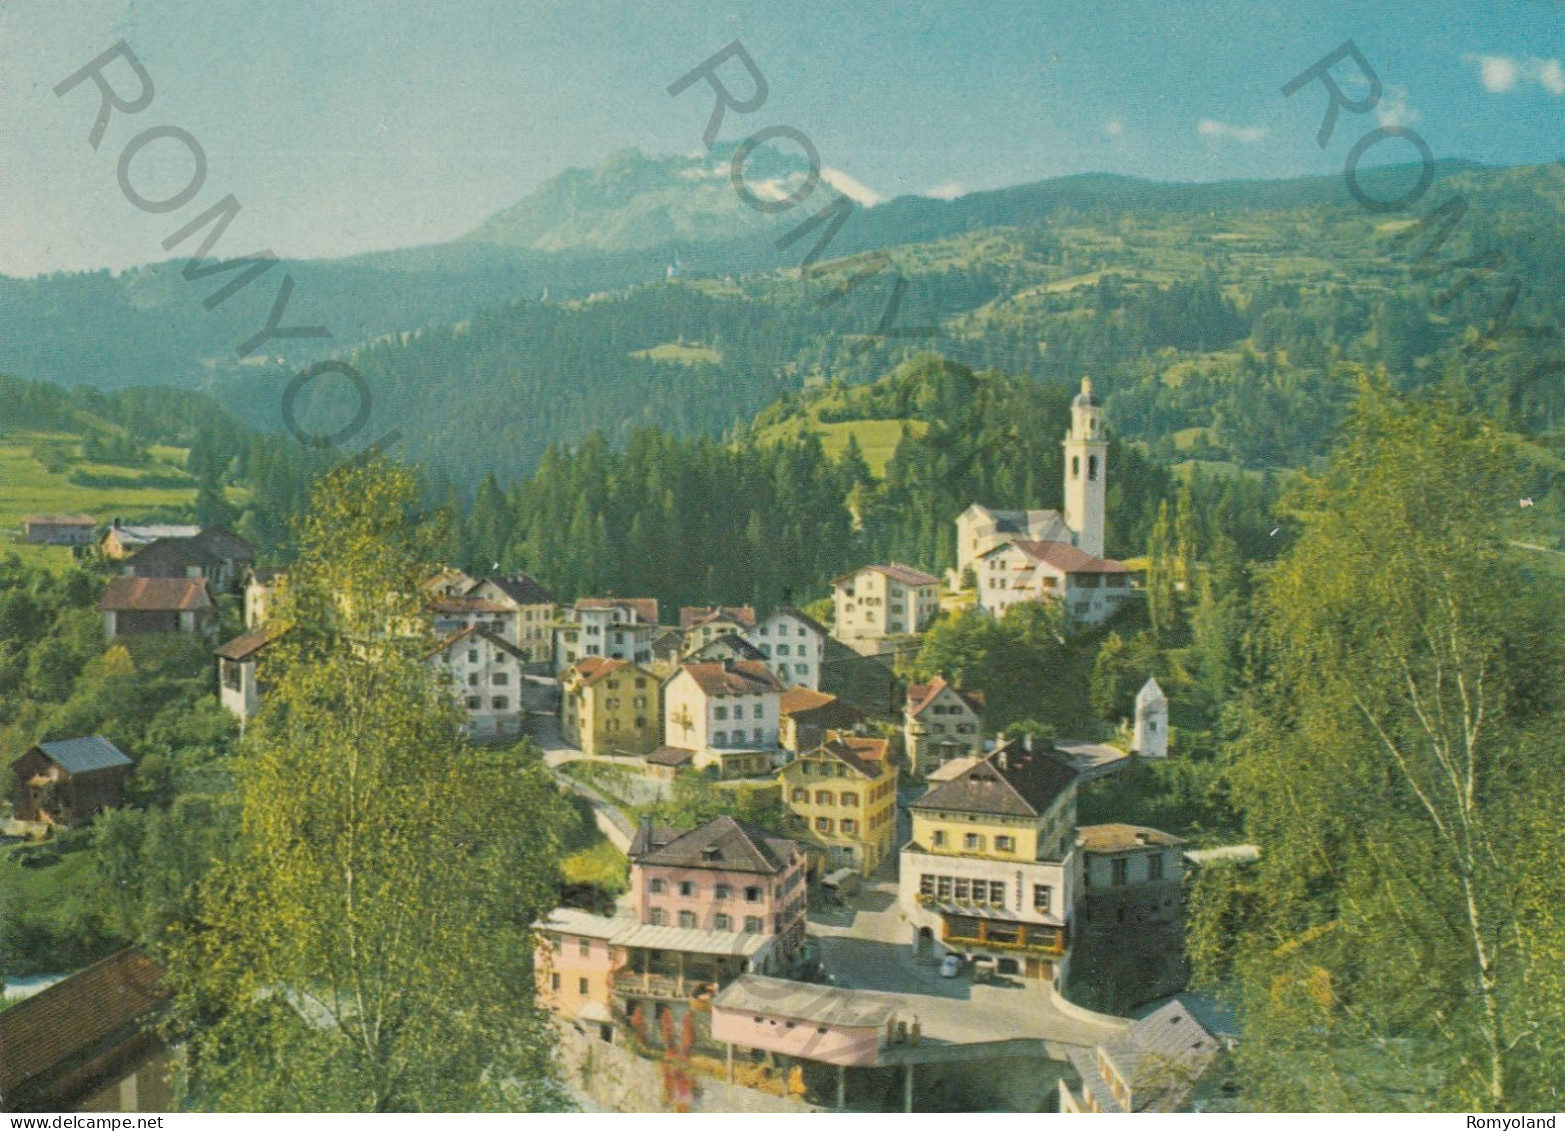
{"x":849,"y":799}
{"x":752,"y":924}
{"x":658,"y":887}
{"x":937,"y":838}
{"x":738,"y":710}
{"x":472,"y":679}
{"x":1005,"y":844}
{"x":759,"y":712}
{"x":641,"y":682}
{"x":720,"y":712}
{"x":639,"y":701}
{"x":657,"y":916}
{"x":850,"y":827}
{"x":926,"y":884}
{"x":472,"y":655}
{"x":500,"y":703}
{"x":823,"y":797}
{"x":782,"y":649}
{"x":823,"y":824}
{"x":801,"y":669}
{"x":1092,"y":467}
{"x":943,"y":887}
{"x":724,"y":892}
{"x":583,"y":947}
{"x":474,"y":702}
{"x":1042,"y":897}
{"x":686,"y":888}
{"x":752,"y":895}
{"x":755,"y":736}
{"x":723,"y":922}
{"x":1155,"y":866}
{"x":996,"y":894}
{"x":960,"y":890}
{"x":499,"y":679}
{"x":554,"y":981}
{"x":613,"y":685}
{"x":800,"y":794}
{"x":581,"y":985}
{"x":720,"y":738}
{"x":1119,"y":871}
{"x":687,"y":919}
{"x":973,"y":842}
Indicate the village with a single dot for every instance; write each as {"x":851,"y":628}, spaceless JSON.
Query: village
{"x":924,"y":908}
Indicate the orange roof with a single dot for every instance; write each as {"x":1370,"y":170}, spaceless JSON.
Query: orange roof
{"x":798,"y":700}
{"x":645,"y":608}
{"x":746,"y":677}
{"x":155,"y":595}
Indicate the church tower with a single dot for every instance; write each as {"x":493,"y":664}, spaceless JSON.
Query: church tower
{"x":1150,"y":739}
{"x":1086,"y":471}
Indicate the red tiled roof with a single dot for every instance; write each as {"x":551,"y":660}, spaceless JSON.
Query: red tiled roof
{"x":798,"y":700}
{"x":747,"y":677}
{"x":906,"y":574}
{"x":921,"y":695}
{"x":1067,"y":558}
{"x":76,"y":1014}
{"x":155,"y":595}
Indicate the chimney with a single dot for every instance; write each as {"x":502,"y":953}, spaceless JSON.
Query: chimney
{"x":710,"y":852}
{"x":1027,"y":743}
{"x":1142,"y":838}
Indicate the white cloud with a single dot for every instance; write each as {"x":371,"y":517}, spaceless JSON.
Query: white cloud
{"x":1496,"y":72}
{"x":949,"y":190}
{"x":855,"y":190}
{"x":1394,"y":110}
{"x":1551,"y":76}
{"x":1501,"y":73}
{"x":1114,"y":127}
{"x":1206,"y":127}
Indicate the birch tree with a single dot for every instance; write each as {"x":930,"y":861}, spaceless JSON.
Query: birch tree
{"x":368,"y":948}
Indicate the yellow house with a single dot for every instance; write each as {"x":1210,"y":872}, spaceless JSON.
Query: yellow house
{"x":991,"y":867}
{"x":610,"y":707}
{"x":842,"y":798}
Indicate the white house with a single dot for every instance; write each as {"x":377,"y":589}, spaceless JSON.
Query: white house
{"x":878,"y":601}
{"x":702,"y":624}
{"x":793,"y":645}
{"x":617,"y":628}
{"x":1150,"y":738}
{"x":485,"y":671}
{"x":1092,"y":588}
{"x":979,"y":530}
{"x":531,"y":610}
{"x":940,"y":723}
{"x":728,"y":713}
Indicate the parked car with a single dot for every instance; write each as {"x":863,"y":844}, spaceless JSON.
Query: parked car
{"x":950,"y":966}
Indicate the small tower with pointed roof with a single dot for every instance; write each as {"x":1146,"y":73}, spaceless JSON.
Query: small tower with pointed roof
{"x":1086,"y":471}
{"x":1151,"y":734}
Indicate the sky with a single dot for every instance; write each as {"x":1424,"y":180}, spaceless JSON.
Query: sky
{"x":358,"y":125}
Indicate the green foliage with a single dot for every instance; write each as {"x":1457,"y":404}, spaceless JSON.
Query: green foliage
{"x":1397,"y":762}
{"x":367,"y":945}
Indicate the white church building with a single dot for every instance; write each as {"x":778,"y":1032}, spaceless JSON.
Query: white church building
{"x":1150,"y":737}
{"x":1037,"y":555}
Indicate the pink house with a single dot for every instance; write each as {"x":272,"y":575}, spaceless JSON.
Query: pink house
{"x":805,"y":1021}
{"x":722,"y":877}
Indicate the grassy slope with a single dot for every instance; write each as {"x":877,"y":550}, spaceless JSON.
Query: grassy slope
{"x":26,"y":488}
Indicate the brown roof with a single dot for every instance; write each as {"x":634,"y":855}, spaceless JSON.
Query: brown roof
{"x":906,"y":574}
{"x":874,"y":749}
{"x":921,"y":695}
{"x":722,"y":844}
{"x":476,"y":630}
{"x":693,"y":616}
{"x":850,"y":752}
{"x":155,"y":595}
{"x":247,"y":644}
{"x":645,"y":608}
{"x":1065,"y":557}
{"x":76,"y":1015}
{"x":1012,"y":781}
{"x":669,"y":756}
{"x":801,"y":701}
{"x":594,"y":668}
{"x":744,"y":677}
{"x":1123,"y":838}
{"x":465,"y":605}
{"x":522,"y":589}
